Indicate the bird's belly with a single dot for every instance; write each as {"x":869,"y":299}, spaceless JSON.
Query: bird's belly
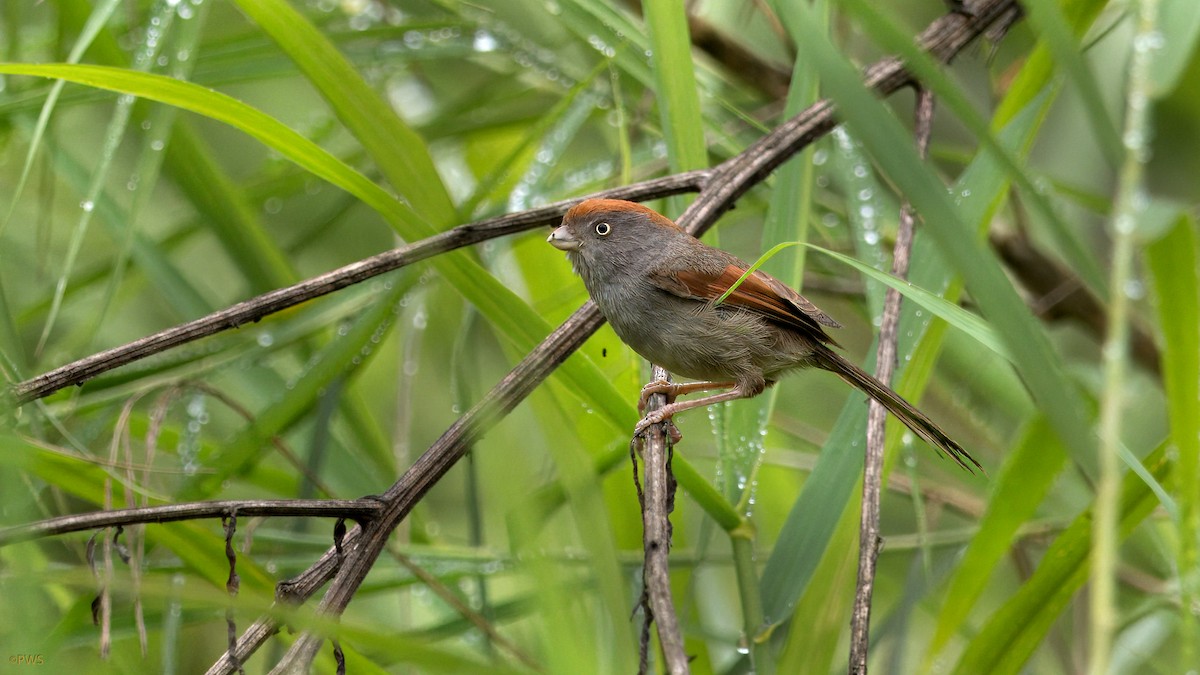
{"x":693,"y":340}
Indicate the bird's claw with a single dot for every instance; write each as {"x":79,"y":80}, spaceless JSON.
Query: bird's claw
{"x":656,"y":387}
{"x":656,"y":417}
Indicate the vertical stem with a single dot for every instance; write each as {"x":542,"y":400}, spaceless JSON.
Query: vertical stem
{"x":869,"y":540}
{"x":658,"y":500}
{"x":742,"y":540}
{"x":1126,"y":210}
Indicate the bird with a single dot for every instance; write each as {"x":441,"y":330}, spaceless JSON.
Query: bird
{"x":658,"y":286}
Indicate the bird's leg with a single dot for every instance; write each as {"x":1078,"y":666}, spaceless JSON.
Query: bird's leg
{"x":670,"y":409}
{"x":673,"y":389}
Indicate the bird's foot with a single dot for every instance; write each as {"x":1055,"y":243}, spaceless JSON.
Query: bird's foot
{"x":656,"y":387}
{"x":657,"y":417}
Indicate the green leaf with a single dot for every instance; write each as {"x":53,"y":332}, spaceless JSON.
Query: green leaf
{"x":888,"y":143}
{"x":500,"y":305}
{"x":1012,"y":633}
{"x":398,"y":150}
{"x":951,"y":313}
{"x":932,"y":76}
{"x":1179,"y":21}
{"x":1028,"y":473}
{"x":1173,"y":265}
{"x":678,"y":103}
{"x":810,"y":522}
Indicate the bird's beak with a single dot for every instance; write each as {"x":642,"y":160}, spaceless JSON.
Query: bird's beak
{"x":562,"y":239}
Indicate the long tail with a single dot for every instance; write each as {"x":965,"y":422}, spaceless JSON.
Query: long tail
{"x":913,"y":419}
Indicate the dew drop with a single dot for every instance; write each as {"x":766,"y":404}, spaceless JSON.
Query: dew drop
{"x":484,"y":42}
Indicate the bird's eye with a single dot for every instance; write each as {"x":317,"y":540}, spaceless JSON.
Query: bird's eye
{"x":603,"y":229}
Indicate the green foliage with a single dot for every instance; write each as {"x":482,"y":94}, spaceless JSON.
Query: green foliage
{"x":226,"y":149}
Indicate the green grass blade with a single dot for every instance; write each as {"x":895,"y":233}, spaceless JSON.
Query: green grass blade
{"x":1172,"y":262}
{"x":118,"y":124}
{"x":1053,"y":29}
{"x":802,"y":541}
{"x":675,"y":77}
{"x":226,"y":109}
{"x":951,"y":313}
{"x":95,"y":23}
{"x":400,"y":152}
{"x":1013,"y":632}
{"x":1179,"y":21}
{"x":932,"y":75}
{"x":888,"y":143}
{"x":1028,"y":473}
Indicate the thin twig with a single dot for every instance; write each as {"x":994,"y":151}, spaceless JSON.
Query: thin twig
{"x":254,"y":309}
{"x":358,"y":509}
{"x":869,"y":540}
{"x":658,"y":498}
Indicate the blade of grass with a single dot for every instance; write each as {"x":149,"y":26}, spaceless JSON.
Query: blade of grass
{"x":884,"y":28}
{"x":208,"y":187}
{"x":1028,"y":473}
{"x":503,"y":308}
{"x":951,"y":313}
{"x":801,"y":543}
{"x":675,"y":80}
{"x":882,"y":134}
{"x":117,"y":125}
{"x":95,"y":23}
{"x":185,"y":40}
{"x":1011,"y":635}
{"x":1055,"y":32}
{"x":1128,"y":206}
{"x":185,"y":299}
{"x":1172,"y":262}
{"x":400,"y":152}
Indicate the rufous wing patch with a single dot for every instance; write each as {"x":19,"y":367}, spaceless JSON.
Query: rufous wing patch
{"x":758,"y":292}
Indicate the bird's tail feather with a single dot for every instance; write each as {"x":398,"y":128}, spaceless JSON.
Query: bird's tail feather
{"x":914,"y":419}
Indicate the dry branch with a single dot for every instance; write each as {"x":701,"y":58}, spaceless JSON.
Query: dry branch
{"x":869,"y":540}
{"x":357,"y":509}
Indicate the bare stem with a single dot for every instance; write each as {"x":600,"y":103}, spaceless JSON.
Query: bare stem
{"x":358,"y":509}
{"x":1126,"y":213}
{"x":657,"y":504}
{"x":869,"y":540}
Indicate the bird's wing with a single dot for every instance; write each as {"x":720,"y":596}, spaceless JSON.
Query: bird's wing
{"x":759,"y":292}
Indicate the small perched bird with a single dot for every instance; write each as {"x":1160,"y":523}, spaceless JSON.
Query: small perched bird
{"x":658,"y":285}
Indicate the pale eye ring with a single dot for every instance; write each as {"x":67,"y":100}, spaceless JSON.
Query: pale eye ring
{"x":603,"y":229}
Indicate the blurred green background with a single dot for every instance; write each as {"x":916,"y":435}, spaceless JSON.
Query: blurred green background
{"x":123,"y":215}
